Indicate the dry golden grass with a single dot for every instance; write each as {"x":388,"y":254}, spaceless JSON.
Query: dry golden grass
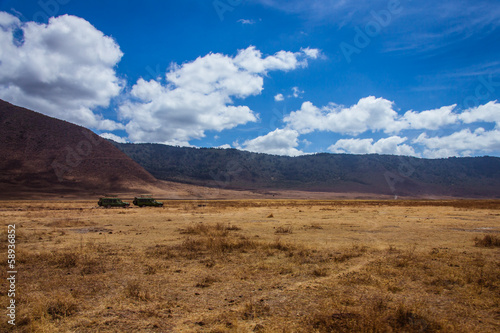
{"x":256,"y":266}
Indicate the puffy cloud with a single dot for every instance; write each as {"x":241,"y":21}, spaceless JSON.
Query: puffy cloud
{"x":369,"y":113}
{"x":431,"y":119}
{"x":278,"y":142}
{"x":392,"y":146}
{"x":245,"y":21}
{"x":378,"y":114}
{"x":296,"y":92}
{"x":489,"y":112}
{"x":251,"y":60}
{"x":279,"y":98}
{"x":7,"y":20}
{"x":311,"y":53}
{"x":462,"y":143}
{"x":63,"y":69}
{"x":113,"y":137}
{"x":199,"y":96}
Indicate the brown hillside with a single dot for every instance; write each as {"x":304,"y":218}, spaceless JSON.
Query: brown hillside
{"x":44,"y":154}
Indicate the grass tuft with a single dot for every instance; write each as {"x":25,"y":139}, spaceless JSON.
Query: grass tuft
{"x":284,"y":230}
{"x":488,"y":241}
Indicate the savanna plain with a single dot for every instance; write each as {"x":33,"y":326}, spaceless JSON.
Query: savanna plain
{"x":255,"y":266}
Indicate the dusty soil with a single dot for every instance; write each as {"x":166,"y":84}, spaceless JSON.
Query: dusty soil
{"x":255,"y":266}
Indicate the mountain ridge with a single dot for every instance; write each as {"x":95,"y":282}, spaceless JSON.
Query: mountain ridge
{"x":44,"y":155}
{"x":323,"y":172}
{"x":41,"y":153}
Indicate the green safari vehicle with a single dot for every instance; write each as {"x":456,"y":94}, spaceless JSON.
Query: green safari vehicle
{"x":147,"y":201}
{"x":112,"y":202}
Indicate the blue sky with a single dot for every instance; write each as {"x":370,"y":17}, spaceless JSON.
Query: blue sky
{"x":403,"y":77}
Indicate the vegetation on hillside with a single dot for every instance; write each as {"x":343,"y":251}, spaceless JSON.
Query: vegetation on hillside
{"x":384,"y":174}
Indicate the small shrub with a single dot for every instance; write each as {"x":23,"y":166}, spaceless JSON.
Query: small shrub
{"x":134,"y":290}
{"x":232,"y":227}
{"x":160,"y":251}
{"x":337,"y":322}
{"x":61,"y":307}
{"x":206,"y":282}
{"x":405,"y":320}
{"x":195,"y":229}
{"x":150,"y":270}
{"x":92,"y":265}
{"x":255,"y":310}
{"x":354,"y":252}
{"x":320,"y":272}
{"x":278,"y":245}
{"x":361,"y":278}
{"x":283,"y":230}
{"x":65,"y":259}
{"x":192,"y":245}
{"x":487,"y":241}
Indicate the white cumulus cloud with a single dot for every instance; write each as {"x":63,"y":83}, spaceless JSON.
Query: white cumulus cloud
{"x":461,"y":143}
{"x":296,"y":92}
{"x":277,"y":142}
{"x":431,"y":119}
{"x":369,"y":114}
{"x":311,"y":53}
{"x":63,"y":69}
{"x":251,"y":60}
{"x":390,"y":146}
{"x":199,"y":96}
{"x":113,"y":137}
{"x":279,"y":98}
{"x":489,"y":112}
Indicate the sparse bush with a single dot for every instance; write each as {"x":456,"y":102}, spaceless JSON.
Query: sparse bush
{"x":191,"y":246}
{"x":61,"y":306}
{"x":255,"y":310}
{"x":149,"y":270}
{"x":160,"y":252}
{"x":283,"y":230}
{"x":92,"y":265}
{"x":65,"y":259}
{"x":336,"y":322}
{"x":358,"y":278}
{"x":134,"y":290}
{"x":406,"y":320}
{"x":353,"y":252}
{"x":279,"y":245}
{"x":487,"y":241}
{"x":320,"y":272}
{"x":207,"y":282}
{"x":204,"y":229}
{"x":232,"y":227}
{"x":195,"y":229}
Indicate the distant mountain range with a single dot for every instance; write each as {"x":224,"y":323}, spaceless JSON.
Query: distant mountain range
{"x":42,"y":156}
{"x":341,"y":173}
